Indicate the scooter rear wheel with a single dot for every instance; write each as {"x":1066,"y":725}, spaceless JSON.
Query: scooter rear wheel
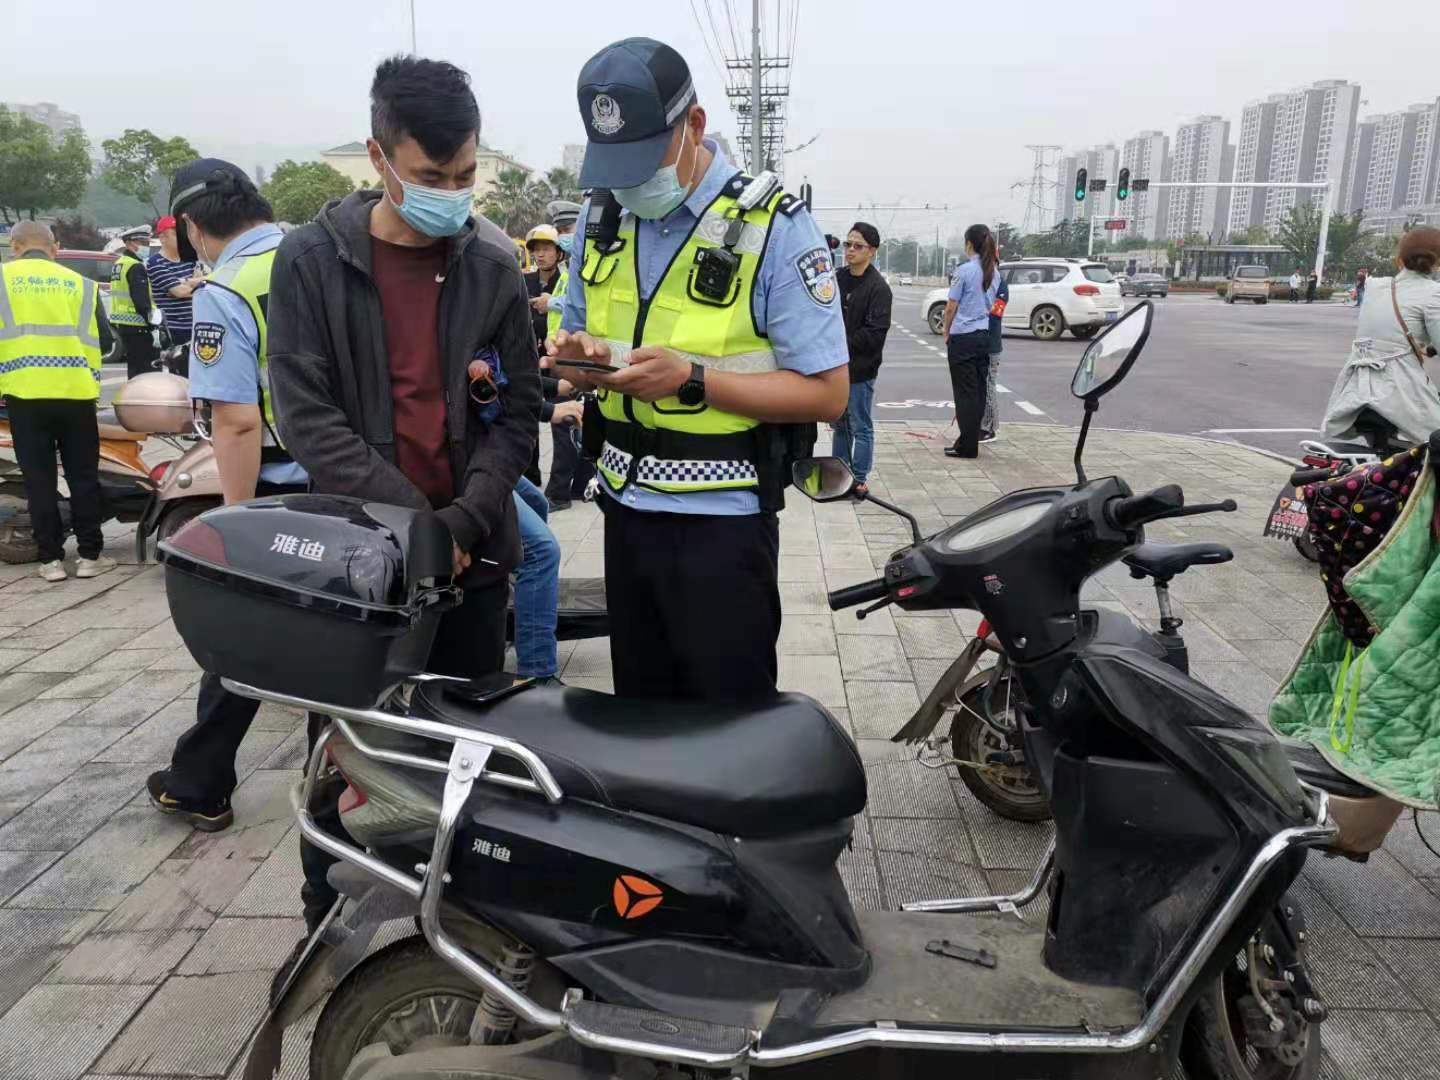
{"x":408,"y":998}
{"x":1011,"y":790}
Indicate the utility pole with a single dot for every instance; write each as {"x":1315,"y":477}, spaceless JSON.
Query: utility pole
{"x":757,"y":153}
{"x":1328,"y":196}
{"x":412,"y":26}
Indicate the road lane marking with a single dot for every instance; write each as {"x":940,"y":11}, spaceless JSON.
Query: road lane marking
{"x":1001,"y":389}
{"x":1257,"y":430}
{"x":114,"y":379}
{"x":1027,"y":407}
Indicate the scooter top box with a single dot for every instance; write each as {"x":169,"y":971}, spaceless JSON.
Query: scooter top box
{"x":322,"y":597}
{"x":156,"y":402}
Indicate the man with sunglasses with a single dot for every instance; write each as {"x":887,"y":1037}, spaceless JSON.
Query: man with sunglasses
{"x":865,"y":302}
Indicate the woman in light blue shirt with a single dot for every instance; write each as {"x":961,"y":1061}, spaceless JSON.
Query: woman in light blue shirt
{"x":967,"y":334}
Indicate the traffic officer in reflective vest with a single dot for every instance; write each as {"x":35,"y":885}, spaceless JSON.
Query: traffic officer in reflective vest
{"x":51,"y":329}
{"x":130,"y":301}
{"x":716,"y":294}
{"x":222,"y":220}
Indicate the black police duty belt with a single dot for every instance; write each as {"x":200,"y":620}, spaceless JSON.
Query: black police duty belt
{"x":639,"y":441}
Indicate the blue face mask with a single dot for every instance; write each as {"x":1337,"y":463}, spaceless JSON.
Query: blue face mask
{"x":432,"y":211}
{"x":659,"y":195}
{"x":567,"y":243}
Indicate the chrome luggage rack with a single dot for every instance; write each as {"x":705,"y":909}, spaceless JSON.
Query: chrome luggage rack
{"x":470,"y":761}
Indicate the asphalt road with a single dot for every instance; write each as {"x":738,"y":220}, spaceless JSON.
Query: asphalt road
{"x":1254,"y":375}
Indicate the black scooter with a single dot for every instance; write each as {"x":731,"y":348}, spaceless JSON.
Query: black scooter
{"x":612,"y":888}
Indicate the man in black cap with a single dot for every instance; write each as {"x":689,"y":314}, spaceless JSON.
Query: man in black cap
{"x":222,"y":220}
{"x":717,"y":294}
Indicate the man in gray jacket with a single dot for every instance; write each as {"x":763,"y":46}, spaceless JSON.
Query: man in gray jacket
{"x":376,"y":310}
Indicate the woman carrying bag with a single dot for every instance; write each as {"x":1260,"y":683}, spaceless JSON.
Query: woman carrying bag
{"x":1396,"y":333}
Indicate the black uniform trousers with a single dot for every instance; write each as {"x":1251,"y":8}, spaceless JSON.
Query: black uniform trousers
{"x":41,"y":427}
{"x":694,"y":603}
{"x":140,"y":352}
{"x":470,"y":643}
{"x":569,"y":471}
{"x":969,"y":356}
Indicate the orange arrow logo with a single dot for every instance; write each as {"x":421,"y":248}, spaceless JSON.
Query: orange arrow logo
{"x":635,"y":896}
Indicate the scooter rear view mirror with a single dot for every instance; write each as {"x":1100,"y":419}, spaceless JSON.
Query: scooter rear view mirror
{"x":1104,"y":365}
{"x":823,"y":479}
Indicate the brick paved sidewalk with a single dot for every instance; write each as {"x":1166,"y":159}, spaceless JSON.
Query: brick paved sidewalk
{"x":130,"y":945}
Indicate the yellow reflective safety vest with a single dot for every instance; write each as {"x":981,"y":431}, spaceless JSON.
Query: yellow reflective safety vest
{"x":122,"y":305}
{"x":49,"y":336}
{"x":248,"y":277}
{"x":557,"y":303}
{"x":667,"y":446}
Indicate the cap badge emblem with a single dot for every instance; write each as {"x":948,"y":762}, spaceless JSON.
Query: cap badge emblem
{"x":605,"y":115}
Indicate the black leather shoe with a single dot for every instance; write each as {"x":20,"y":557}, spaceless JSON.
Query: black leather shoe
{"x":951,"y":451}
{"x":556,"y":505}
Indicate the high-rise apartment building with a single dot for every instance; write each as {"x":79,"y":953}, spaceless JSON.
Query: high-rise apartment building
{"x":1357,"y":166}
{"x":1200,"y":153}
{"x":1146,"y":156}
{"x":1314,"y":126}
{"x":1253,"y":150}
{"x":48,"y":113}
{"x":1402,"y":167}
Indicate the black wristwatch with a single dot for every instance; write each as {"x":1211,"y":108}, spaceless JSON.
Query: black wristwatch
{"x":692,"y":390}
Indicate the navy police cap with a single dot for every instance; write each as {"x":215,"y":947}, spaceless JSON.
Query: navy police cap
{"x":632,"y":94}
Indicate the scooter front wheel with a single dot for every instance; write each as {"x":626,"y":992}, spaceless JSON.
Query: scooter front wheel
{"x":1228,"y":1036}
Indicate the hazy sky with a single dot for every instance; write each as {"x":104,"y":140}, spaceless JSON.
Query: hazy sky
{"x":914,"y":101}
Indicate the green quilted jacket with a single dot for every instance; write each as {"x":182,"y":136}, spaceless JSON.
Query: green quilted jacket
{"x":1381,"y":726}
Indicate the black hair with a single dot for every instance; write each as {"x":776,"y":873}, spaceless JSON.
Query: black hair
{"x":983,"y":241}
{"x":428,"y":100}
{"x":868,"y":232}
{"x":233,"y":204}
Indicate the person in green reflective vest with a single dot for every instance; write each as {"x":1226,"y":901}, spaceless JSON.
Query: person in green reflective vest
{"x":222,"y":221}
{"x":52,"y":327}
{"x":130,"y":301}
{"x":716,"y":294}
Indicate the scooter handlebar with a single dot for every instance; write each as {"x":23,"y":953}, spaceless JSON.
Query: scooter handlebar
{"x":1131,"y":512}
{"x":859,"y":594}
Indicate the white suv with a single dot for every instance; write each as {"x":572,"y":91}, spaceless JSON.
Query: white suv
{"x":1048,"y":296}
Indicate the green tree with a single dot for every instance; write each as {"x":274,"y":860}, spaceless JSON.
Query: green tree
{"x":297,"y":190}
{"x":563,"y":184}
{"x":1012,"y":243}
{"x":511,"y":203}
{"x":73,"y":231}
{"x":38,"y":171}
{"x":1255,"y":234}
{"x":1346,"y":246}
{"x":142,"y":164}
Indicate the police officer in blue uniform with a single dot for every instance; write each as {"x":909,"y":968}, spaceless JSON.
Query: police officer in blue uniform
{"x":691,"y":567}
{"x":223,"y":221}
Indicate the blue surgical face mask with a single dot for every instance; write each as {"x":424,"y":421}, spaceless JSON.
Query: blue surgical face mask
{"x":433,"y":211}
{"x":659,"y":195}
{"x":567,"y":244}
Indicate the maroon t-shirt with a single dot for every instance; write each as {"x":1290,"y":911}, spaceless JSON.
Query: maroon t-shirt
{"x":408,"y":280}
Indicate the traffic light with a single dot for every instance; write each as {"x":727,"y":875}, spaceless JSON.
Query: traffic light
{"x":1122,"y":186}
{"x":1080,"y":184}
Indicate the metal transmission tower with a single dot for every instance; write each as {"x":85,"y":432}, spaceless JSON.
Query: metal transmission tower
{"x":1037,"y":213}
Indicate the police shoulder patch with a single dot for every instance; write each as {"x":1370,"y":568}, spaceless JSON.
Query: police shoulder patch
{"x":789,"y":205}
{"x":209,"y":342}
{"x":817,"y":273}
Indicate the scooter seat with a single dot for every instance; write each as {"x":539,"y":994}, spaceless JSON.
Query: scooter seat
{"x":749,"y":769}
{"x":1164,"y":561}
